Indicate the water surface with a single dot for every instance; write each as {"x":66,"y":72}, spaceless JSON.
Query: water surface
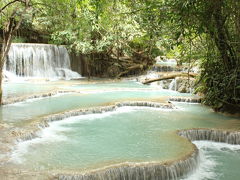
{"x":129,"y":134}
{"x":32,"y":109}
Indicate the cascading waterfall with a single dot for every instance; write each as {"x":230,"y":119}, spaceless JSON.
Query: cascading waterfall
{"x":39,"y":61}
{"x":230,"y":137}
{"x":173,"y":85}
{"x":144,"y":171}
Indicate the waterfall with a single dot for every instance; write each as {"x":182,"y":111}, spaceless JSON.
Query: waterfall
{"x":141,"y":171}
{"x":230,"y":137}
{"x":173,"y":85}
{"x":39,"y":61}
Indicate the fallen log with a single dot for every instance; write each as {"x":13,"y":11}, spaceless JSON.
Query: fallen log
{"x":171,"y":76}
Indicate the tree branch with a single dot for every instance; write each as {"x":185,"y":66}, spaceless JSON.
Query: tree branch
{"x":8,"y":4}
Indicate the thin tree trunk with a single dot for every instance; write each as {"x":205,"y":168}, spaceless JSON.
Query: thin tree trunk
{"x":221,"y":38}
{"x":8,"y":32}
{"x":1,"y":77}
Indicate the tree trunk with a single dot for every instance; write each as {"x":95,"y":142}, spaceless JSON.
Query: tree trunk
{"x":4,"y":51}
{"x":8,"y":31}
{"x":1,"y":77}
{"x":221,"y":37}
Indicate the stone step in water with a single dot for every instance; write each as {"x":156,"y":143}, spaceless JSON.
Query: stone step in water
{"x":185,"y":99}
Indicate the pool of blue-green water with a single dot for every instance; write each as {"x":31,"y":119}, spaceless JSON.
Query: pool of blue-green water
{"x":128,"y":134}
{"x":13,"y":89}
{"x":30,"y":109}
{"x":110,"y":85}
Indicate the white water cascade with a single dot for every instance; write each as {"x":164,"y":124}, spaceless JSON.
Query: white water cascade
{"x":173,"y":85}
{"x":39,"y":61}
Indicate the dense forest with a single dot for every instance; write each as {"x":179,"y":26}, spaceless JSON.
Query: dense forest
{"x":127,"y":35}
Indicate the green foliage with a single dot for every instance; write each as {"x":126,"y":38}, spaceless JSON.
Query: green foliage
{"x":88,"y":26}
{"x":209,"y":31}
{"x":19,"y":40}
{"x":219,"y":86}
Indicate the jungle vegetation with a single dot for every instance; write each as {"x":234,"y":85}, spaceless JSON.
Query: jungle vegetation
{"x":126,"y":35}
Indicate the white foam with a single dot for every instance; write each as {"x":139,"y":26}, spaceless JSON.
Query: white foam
{"x":47,"y":135}
{"x":208,"y":163}
{"x":205,"y":169}
{"x":98,"y":116}
{"x":216,"y":146}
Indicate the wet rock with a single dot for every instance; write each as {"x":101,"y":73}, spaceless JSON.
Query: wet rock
{"x":184,"y":85}
{"x":184,"y":99}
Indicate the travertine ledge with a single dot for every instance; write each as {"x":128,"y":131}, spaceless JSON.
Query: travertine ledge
{"x":216,"y":135}
{"x":141,"y":171}
{"x":168,"y":171}
{"x":35,"y":96}
{"x":32,"y":133}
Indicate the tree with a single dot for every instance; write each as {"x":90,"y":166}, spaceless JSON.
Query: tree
{"x":12,"y":14}
{"x":216,"y":24}
{"x":106,"y":32}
